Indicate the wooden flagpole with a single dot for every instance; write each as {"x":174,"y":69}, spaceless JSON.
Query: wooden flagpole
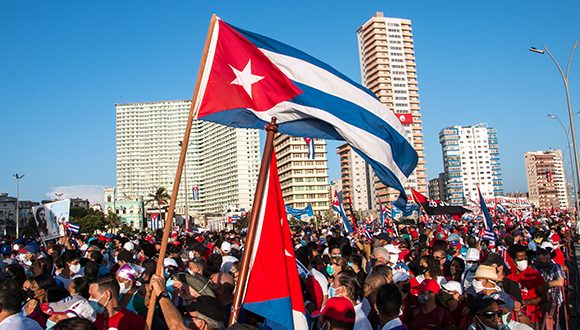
{"x":179,"y":171}
{"x":271,"y":129}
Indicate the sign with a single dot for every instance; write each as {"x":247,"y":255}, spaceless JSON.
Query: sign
{"x":51,"y":218}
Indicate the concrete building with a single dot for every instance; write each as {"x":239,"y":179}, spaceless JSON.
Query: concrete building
{"x":222,"y":163}
{"x":546,"y":179}
{"x":437,"y":188}
{"x":302,"y":180}
{"x":470,"y":157}
{"x":131,"y":212}
{"x":8,"y":213}
{"x":357,"y":180}
{"x":388,"y":69}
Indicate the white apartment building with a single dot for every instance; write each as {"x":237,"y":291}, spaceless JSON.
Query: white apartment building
{"x":357,"y":181}
{"x":302,"y":180}
{"x":222,"y":162}
{"x":546,"y":179}
{"x":388,"y":69}
{"x":470,"y":158}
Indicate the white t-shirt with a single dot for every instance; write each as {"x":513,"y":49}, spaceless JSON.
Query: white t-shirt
{"x":19,"y":322}
{"x":361,"y":322}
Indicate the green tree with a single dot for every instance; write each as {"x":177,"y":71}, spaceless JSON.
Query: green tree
{"x":91,"y":222}
{"x":158,"y":198}
{"x":113,"y":220}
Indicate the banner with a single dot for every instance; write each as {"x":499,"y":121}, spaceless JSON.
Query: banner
{"x":51,"y":218}
{"x":303,"y":214}
{"x":195,"y":193}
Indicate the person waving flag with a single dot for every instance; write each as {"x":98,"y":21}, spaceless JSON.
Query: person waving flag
{"x":247,"y":79}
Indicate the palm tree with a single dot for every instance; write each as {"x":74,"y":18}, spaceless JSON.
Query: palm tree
{"x":159,"y":198}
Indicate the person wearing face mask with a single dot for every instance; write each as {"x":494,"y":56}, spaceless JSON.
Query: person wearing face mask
{"x":410,"y":302}
{"x":484,"y":281}
{"x":131,"y":296}
{"x":11,"y":299}
{"x":456,"y":269}
{"x":337,"y":314}
{"x":429,"y":315}
{"x":36,"y":293}
{"x":71,"y":267}
{"x":507,"y":309}
{"x":336,"y":265}
{"x":486,"y":314}
{"x":554,"y":276}
{"x":346,"y":285}
{"x":450,"y":297}
{"x":430,"y":269}
{"x":104,"y":293}
{"x":533,"y":285}
{"x":471,"y":264}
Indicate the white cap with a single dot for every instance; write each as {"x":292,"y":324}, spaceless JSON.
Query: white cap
{"x":226,"y":247}
{"x":400,"y":276}
{"x":472,"y":254}
{"x":170,"y":262}
{"x":82,"y":309}
{"x":129,"y":246}
{"x":453,"y":286}
{"x":16,"y":247}
{"x":546,"y":244}
{"x":392,"y":249}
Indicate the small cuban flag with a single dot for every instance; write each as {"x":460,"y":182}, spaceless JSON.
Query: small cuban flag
{"x":310,"y":144}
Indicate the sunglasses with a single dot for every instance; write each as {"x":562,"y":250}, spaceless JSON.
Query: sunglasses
{"x":491,"y":315}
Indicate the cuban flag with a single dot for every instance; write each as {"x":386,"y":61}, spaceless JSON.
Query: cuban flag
{"x":310,"y":144}
{"x":273,"y":262}
{"x":385,"y":213}
{"x":195,"y":193}
{"x":72,"y":227}
{"x":154,"y":221}
{"x":338,"y":208}
{"x":233,"y":218}
{"x":488,"y":233}
{"x":246,"y":79}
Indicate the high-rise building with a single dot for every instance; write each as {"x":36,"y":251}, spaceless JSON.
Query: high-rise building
{"x":437,"y":188}
{"x":546,"y":179}
{"x":470,"y":158}
{"x":356,"y":180}
{"x":222,"y":163}
{"x":388,"y":69}
{"x":302,"y":180}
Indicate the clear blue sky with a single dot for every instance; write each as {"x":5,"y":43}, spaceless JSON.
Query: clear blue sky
{"x":64,"y":64}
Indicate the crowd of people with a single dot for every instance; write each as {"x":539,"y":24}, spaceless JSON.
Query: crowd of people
{"x":430,"y":274}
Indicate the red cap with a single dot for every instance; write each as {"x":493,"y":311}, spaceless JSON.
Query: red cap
{"x":429,"y":285}
{"x":339,"y":309}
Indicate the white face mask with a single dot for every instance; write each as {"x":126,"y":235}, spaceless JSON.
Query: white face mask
{"x":522,"y":265}
{"x":191,"y":255}
{"x":477,"y":286}
{"x":75,"y":268}
{"x":124,"y":288}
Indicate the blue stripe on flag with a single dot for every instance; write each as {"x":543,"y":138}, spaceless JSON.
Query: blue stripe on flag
{"x":279,"y":310}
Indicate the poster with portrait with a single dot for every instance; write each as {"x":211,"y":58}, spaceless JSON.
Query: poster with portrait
{"x":51,"y":217}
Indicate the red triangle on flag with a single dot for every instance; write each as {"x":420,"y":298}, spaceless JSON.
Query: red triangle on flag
{"x":241,"y":76}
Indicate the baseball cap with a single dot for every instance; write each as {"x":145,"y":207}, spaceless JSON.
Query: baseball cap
{"x":481,"y":301}
{"x":507,"y":300}
{"x":400,"y":276}
{"x":339,"y":309}
{"x":209,"y":306}
{"x":72,"y":306}
{"x":472,"y":254}
{"x":226,"y":247}
{"x":129,"y":246}
{"x":170,"y":262}
{"x":429,"y":285}
{"x":452,"y":286}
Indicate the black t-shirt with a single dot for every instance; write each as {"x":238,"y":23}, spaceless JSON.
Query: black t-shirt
{"x":512,"y":288}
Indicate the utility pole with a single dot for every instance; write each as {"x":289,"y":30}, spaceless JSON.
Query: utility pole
{"x":17,"y":177}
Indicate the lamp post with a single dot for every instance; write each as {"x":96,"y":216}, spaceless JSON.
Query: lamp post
{"x":570,"y":113}
{"x":17,"y":177}
{"x":554,"y":117}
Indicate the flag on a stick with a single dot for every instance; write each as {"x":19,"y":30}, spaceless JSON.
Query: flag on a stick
{"x":488,"y":233}
{"x":246,"y":79}
{"x":273,"y":262}
{"x":338,"y":208}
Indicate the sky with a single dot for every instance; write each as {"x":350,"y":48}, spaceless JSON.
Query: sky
{"x":65,"y":64}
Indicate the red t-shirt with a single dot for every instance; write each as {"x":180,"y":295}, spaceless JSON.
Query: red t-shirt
{"x":122,"y":320}
{"x":437,"y":318}
{"x":529,"y":280}
{"x":559,"y":258}
{"x":410,"y":303}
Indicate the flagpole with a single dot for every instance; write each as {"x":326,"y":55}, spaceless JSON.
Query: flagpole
{"x":271,"y":129}
{"x":178,"y":172}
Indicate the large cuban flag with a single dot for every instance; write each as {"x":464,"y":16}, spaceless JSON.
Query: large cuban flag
{"x":247,"y":79}
{"x":273,"y":290}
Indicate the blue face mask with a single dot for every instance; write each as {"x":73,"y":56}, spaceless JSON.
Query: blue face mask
{"x":331,"y":292}
{"x":329,"y":270}
{"x":96,"y":306}
{"x":50,"y":324}
{"x":169,"y":286}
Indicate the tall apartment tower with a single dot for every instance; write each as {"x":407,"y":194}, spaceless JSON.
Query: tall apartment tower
{"x":546,"y":179}
{"x":357,"y":182}
{"x":302,"y":180}
{"x":388,"y":69}
{"x":470,"y":158}
{"x":222,"y":163}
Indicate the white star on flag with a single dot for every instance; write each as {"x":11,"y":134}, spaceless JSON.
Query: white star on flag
{"x":245,"y":78}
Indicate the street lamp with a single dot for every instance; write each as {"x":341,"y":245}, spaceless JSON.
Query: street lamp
{"x":554,"y":117}
{"x":570,"y":113}
{"x":17,"y":177}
